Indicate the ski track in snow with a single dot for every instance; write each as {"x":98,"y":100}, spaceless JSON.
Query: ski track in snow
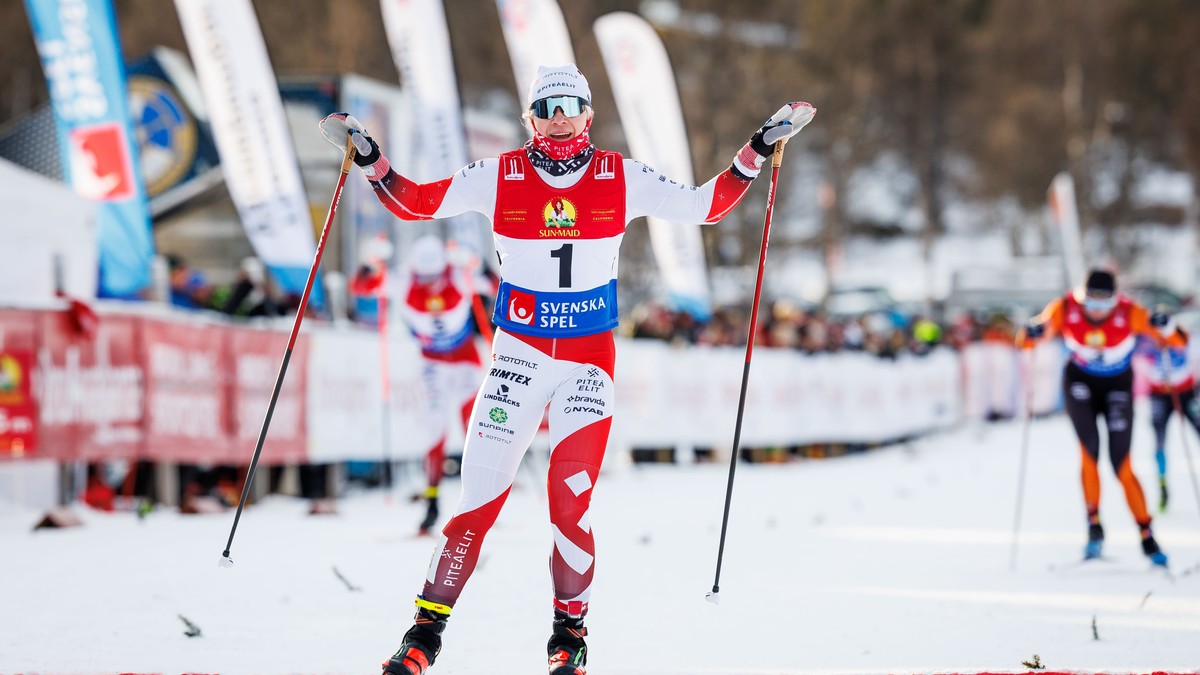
{"x":893,"y":561}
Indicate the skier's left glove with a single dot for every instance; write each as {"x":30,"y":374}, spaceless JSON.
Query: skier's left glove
{"x":335,"y":127}
{"x":784,"y":124}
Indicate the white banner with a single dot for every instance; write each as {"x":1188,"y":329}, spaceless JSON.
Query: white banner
{"x":251,"y":133}
{"x":345,"y":404}
{"x":536,"y":35}
{"x":994,"y":375}
{"x":643,"y":85}
{"x":1065,"y":211}
{"x":420,"y":44}
{"x":667,"y":396}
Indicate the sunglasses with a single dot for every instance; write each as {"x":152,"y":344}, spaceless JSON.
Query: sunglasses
{"x":1093,"y":304}
{"x":544,"y":108}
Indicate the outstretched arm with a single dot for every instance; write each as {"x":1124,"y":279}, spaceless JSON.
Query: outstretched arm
{"x":1043,"y":326}
{"x":472,"y":188}
{"x":649,"y":193}
{"x":1159,"y":326}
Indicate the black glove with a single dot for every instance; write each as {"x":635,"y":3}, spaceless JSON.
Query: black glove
{"x":1160,"y":320}
{"x":1035,"y":331}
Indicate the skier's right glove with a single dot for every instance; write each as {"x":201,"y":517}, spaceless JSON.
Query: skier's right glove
{"x":1033,"y":332}
{"x":784,"y":124}
{"x":335,"y":127}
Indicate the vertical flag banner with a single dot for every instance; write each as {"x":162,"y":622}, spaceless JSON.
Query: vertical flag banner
{"x":1061,"y":196}
{"x":536,"y":35}
{"x":420,"y":44}
{"x":647,"y":101}
{"x":251,"y":133}
{"x":383,"y":108}
{"x":81,"y":56}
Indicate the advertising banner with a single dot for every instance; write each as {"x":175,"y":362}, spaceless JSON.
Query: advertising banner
{"x":254,"y":367}
{"x":420,"y":43}
{"x":90,"y":389}
{"x":536,"y":35}
{"x":175,"y":145}
{"x":81,"y":57}
{"x":343,"y":394}
{"x":248,"y":124}
{"x":648,"y":104}
{"x":186,"y":367}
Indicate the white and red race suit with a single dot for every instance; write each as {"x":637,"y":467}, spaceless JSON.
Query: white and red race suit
{"x":557,"y":239}
{"x":438,"y":313}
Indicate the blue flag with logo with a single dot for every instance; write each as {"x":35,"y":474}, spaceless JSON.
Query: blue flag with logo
{"x":81,"y":56}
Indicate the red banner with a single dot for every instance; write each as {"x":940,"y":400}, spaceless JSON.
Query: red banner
{"x":255,"y":357}
{"x":186,"y":367}
{"x":90,"y":388}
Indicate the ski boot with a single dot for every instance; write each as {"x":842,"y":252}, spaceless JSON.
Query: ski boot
{"x":422,"y":643}
{"x":566,"y":649}
{"x":1151,"y":549}
{"x":431,"y":514}
{"x":1095,"y":543}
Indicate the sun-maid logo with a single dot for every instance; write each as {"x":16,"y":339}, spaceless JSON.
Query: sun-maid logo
{"x":522,"y":307}
{"x":498,"y":415}
{"x":435,"y":303}
{"x":559,"y":212}
{"x":1094,"y":338}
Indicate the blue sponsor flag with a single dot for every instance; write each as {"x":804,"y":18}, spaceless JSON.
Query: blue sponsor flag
{"x":81,"y":56}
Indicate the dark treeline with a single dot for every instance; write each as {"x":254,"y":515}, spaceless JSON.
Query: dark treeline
{"x":982,"y":100}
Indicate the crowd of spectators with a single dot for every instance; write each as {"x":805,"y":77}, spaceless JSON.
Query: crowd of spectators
{"x":783,"y":323}
{"x":251,"y":294}
{"x":790,"y":325}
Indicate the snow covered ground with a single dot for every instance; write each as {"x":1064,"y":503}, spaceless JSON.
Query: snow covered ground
{"x":895,"y":561}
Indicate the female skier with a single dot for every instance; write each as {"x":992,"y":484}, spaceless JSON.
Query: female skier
{"x":555,"y":311}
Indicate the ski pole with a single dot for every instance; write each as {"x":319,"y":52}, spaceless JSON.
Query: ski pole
{"x":1183,"y":420}
{"x":1029,"y":362}
{"x":347,"y":160}
{"x":713,"y":596}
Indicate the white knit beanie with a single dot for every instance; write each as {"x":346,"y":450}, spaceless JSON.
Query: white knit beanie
{"x":565,"y":80}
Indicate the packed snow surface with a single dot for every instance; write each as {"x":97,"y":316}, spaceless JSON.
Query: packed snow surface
{"x":892,"y":561}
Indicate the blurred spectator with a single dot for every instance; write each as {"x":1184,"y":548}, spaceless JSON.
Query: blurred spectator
{"x":97,"y":493}
{"x":926,"y":334}
{"x":251,"y":294}
{"x":188,"y":287}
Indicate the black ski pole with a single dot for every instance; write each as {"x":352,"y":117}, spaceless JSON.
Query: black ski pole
{"x":713,"y":596}
{"x":347,"y":160}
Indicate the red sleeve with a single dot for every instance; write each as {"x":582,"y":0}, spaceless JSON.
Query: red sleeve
{"x":409,"y":200}
{"x":727,"y":192}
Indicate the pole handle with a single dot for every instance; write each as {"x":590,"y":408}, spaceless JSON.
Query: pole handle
{"x":348,"y":160}
{"x":777,"y":156}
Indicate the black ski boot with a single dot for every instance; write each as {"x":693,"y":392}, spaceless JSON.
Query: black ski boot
{"x":431,"y":516}
{"x":1095,"y":542}
{"x":1151,"y":549}
{"x":422,"y":643}
{"x":566,"y":648}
